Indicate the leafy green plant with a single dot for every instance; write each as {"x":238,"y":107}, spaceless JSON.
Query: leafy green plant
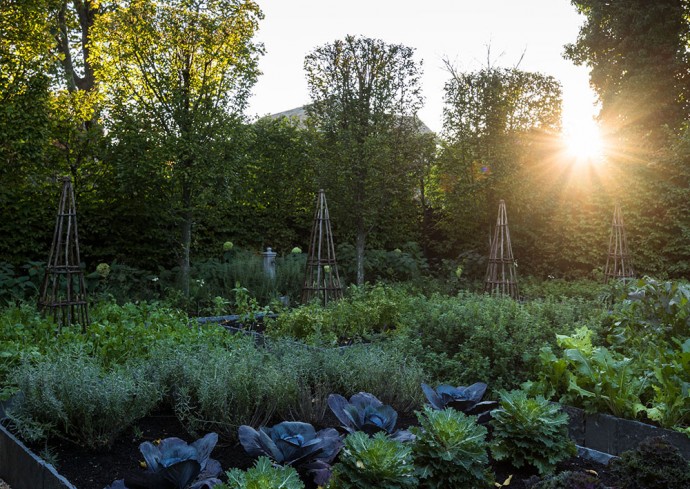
{"x":264,"y":475}
{"x":450,"y":450}
{"x":571,"y":480}
{"x":71,"y":396}
{"x":374,"y":463}
{"x":595,"y":378}
{"x":654,"y":464}
{"x":530,"y":431}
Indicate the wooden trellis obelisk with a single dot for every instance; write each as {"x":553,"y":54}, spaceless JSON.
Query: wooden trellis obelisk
{"x":618,"y":265}
{"x":63,"y":293}
{"x":501,"y":274}
{"x":321,"y":278}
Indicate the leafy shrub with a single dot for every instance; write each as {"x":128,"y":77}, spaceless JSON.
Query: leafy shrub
{"x":222,"y":389}
{"x":374,"y":463}
{"x":72,"y":397}
{"x":595,"y":378}
{"x":530,"y":431}
{"x":654,"y":464}
{"x":16,"y":286}
{"x":296,"y":444}
{"x":450,"y":451}
{"x":366,"y":312}
{"x":264,"y":475}
{"x":571,"y":480}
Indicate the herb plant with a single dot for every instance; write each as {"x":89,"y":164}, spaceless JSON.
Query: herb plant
{"x":530,"y":431}
{"x":450,"y":450}
{"x":374,"y":463}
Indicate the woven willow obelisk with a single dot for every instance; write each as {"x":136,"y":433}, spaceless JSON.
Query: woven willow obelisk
{"x":321,"y":278}
{"x":618,"y":264}
{"x":501,"y":274}
{"x":63,"y":293}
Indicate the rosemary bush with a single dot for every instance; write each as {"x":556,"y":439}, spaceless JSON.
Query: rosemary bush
{"x":71,"y":396}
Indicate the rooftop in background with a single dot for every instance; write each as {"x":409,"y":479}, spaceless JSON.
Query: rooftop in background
{"x":300,"y":113}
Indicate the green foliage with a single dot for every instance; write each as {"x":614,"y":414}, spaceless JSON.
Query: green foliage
{"x":71,"y":396}
{"x":469,"y":337}
{"x":366,"y":312}
{"x":368,"y":156}
{"x":221,"y":389}
{"x":635,"y":54}
{"x":264,"y":475}
{"x":571,"y":480}
{"x":450,"y":450}
{"x":403,"y":264}
{"x":373,"y":463}
{"x":530,"y":431}
{"x":655,"y":464}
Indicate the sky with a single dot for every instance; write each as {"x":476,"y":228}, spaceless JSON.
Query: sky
{"x":461,"y":31}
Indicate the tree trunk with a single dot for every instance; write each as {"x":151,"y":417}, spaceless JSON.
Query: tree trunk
{"x":359,"y":245}
{"x":186,"y":236}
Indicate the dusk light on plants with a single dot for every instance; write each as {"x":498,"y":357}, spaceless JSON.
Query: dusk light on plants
{"x":275,"y":243}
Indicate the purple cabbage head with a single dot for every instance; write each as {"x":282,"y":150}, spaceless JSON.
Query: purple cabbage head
{"x":296,"y":444}
{"x":364,"y":412}
{"x":465,"y":399}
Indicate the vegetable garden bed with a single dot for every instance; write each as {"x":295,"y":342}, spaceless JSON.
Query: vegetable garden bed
{"x":83,"y":469}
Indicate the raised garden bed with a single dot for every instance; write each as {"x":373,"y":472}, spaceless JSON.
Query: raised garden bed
{"x":83,"y":469}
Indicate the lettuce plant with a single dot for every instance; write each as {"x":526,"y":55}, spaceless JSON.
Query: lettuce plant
{"x":467,"y":400}
{"x":530,"y":431}
{"x":450,"y":450}
{"x":376,"y":462}
{"x":654,"y":464}
{"x":571,"y":480}
{"x":174,"y":463}
{"x":295,"y":444}
{"x":364,"y":412}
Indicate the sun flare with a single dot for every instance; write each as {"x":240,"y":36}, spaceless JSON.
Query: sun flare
{"x":583,"y":142}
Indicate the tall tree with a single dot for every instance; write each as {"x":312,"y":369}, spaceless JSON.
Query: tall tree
{"x":637,"y":52}
{"x":493,"y":120}
{"x":186,"y":67}
{"x":365,"y":94}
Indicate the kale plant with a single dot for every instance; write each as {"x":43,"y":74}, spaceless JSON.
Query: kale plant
{"x":295,"y":444}
{"x":450,"y":451}
{"x":364,"y":412}
{"x":376,"y":462}
{"x":654,"y":464}
{"x":264,"y":475}
{"x":467,"y":400}
{"x":530,"y":431}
